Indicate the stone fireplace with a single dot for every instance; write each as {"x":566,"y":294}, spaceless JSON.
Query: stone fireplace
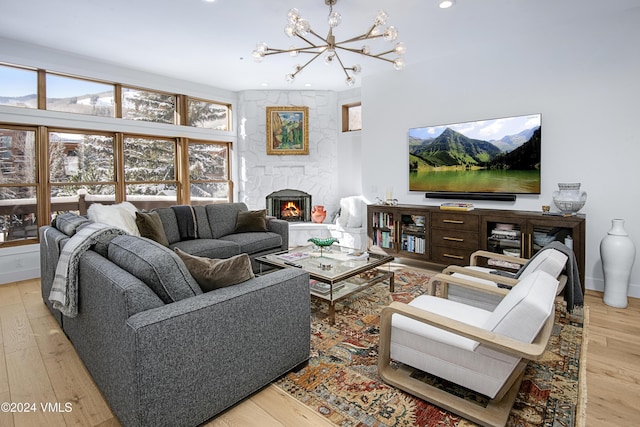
{"x":289,"y":205}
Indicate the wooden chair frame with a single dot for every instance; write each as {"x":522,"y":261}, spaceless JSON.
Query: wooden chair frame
{"x":497,"y":411}
{"x":496,"y":278}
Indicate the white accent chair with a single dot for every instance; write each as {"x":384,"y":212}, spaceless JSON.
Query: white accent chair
{"x":549,"y":260}
{"x":485,"y":351}
{"x":350,"y":226}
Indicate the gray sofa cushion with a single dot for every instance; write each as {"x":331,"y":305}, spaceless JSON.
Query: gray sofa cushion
{"x":161,"y":269}
{"x":170,"y":224}
{"x":251,"y":221}
{"x":212,"y":273}
{"x":222,"y":217}
{"x":210,"y":248}
{"x":69,"y":223}
{"x":204,"y":230}
{"x":150,"y":226}
{"x":252,"y":243}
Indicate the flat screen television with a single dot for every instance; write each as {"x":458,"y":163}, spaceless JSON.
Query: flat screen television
{"x":484,"y":157}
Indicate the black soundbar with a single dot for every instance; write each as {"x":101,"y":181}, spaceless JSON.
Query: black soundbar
{"x":500,"y":197}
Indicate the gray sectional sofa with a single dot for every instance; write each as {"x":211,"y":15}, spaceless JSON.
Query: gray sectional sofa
{"x":216,"y":238}
{"x":164,"y":353}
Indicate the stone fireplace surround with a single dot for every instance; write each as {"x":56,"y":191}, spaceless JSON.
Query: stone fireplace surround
{"x":260,"y":174}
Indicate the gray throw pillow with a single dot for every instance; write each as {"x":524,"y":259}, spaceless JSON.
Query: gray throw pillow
{"x":150,"y":226}
{"x":251,"y":221}
{"x":211,"y":273}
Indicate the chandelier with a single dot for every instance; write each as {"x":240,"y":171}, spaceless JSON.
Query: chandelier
{"x":299,"y":27}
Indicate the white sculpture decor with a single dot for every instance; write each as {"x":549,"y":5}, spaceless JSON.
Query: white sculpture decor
{"x":618,"y":254}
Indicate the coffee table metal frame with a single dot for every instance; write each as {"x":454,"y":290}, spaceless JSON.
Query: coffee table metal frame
{"x":344,"y":273}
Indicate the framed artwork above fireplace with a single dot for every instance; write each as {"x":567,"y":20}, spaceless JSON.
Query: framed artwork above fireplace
{"x":287,"y":130}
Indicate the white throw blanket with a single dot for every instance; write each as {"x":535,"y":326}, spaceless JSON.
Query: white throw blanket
{"x":64,"y":291}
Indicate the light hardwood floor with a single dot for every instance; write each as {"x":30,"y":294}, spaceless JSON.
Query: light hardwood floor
{"x":38,"y":365}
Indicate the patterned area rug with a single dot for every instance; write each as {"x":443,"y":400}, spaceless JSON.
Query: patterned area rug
{"x":341,"y":380}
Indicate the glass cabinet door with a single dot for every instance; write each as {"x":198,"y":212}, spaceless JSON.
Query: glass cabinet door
{"x":413,"y":233}
{"x":505,"y":236}
{"x":383,"y":229}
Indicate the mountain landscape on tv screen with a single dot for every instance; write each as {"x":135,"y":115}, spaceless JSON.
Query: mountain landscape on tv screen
{"x":453,"y":161}
{"x":451,"y":148}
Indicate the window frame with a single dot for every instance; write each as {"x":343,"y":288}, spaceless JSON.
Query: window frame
{"x":45,"y":121}
{"x":346,"y":115}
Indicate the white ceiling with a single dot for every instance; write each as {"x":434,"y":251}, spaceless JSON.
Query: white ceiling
{"x":211,"y":42}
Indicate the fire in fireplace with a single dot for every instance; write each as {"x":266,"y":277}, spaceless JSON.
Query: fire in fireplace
{"x":290,"y":205}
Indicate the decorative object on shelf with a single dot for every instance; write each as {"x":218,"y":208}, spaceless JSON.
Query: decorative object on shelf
{"x":323,"y":243}
{"x":452,"y":206}
{"x":569,"y":199}
{"x":318,"y":214}
{"x":618,"y":253}
{"x":287,"y":130}
{"x":299,"y":27}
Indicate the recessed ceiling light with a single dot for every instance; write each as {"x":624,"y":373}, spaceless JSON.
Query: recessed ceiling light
{"x":445,"y":4}
{"x":264,"y":84}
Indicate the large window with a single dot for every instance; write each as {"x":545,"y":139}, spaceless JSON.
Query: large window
{"x":209,"y":172}
{"x":148,"y":106}
{"x":75,"y":95}
{"x":45,"y":170}
{"x":18,"y":87}
{"x":81,"y":164}
{"x":150,"y":169}
{"x":18,"y":184}
{"x":206,"y":114}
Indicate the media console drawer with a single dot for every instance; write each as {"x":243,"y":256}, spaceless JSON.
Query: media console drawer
{"x":446,"y":256}
{"x":455,"y":221}
{"x":455,"y":238}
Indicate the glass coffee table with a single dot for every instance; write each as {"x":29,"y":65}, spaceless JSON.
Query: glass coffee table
{"x":336,"y":273}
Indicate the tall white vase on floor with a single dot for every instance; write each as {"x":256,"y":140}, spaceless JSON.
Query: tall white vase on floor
{"x":618,"y":254}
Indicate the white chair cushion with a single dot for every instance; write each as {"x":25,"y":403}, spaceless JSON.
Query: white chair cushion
{"x":524,"y":310}
{"x":551,"y":261}
{"x":352,"y":209}
{"x":447,"y":355}
{"x":473,"y":297}
{"x":447,"y":308}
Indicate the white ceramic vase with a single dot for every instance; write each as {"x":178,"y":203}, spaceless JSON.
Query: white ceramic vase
{"x":618,"y":253}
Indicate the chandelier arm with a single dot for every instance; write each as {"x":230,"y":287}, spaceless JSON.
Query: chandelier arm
{"x":310,"y":49}
{"x":342,"y":65}
{"x":307,"y":63}
{"x":365,"y":36}
{"x":315,"y":34}
{"x":366,"y":54}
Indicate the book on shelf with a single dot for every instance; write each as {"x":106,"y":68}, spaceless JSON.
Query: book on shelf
{"x":451,"y":206}
{"x":324,"y":288}
{"x":505,"y":233}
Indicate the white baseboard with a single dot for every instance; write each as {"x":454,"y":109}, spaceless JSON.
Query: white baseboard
{"x":598,"y":285}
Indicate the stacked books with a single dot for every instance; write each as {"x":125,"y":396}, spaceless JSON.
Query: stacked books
{"x":450,"y":206}
{"x":498,"y":233}
{"x":324,"y":288}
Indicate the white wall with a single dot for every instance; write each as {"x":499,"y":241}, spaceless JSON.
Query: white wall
{"x":587,"y":89}
{"x":349,"y":149}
